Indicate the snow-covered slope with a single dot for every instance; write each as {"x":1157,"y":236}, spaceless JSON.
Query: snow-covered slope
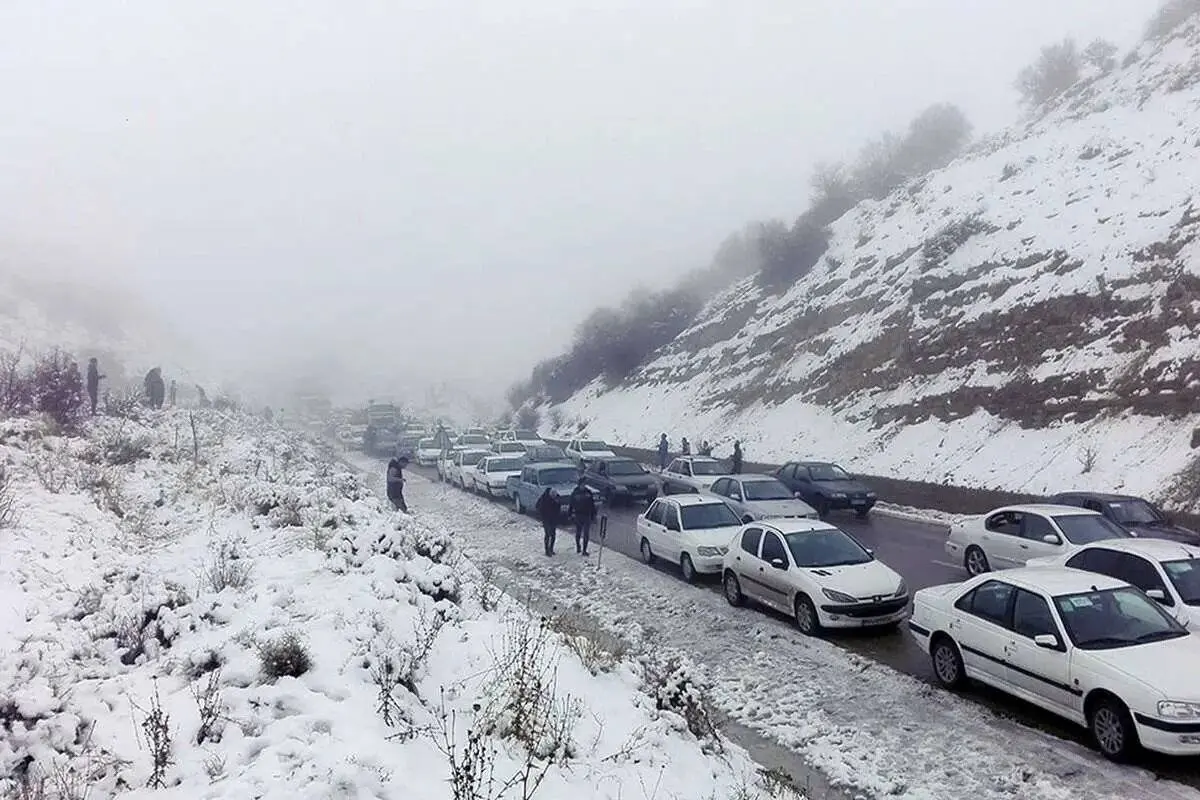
{"x":1023,"y":319}
{"x":213,"y":607}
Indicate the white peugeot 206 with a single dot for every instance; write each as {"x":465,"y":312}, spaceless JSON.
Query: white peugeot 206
{"x":1082,"y":645}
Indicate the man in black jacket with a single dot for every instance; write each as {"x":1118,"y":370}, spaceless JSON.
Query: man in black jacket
{"x":583,"y":512}
{"x":548,"y":509}
{"x":395,"y":483}
{"x":93,"y":383}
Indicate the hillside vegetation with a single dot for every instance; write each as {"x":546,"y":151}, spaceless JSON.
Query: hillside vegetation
{"x":1023,"y":318}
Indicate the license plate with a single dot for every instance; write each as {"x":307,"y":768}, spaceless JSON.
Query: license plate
{"x":875,"y":620}
{"x":858,"y":502}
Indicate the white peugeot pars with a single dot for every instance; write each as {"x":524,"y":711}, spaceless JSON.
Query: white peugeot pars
{"x":690,"y":530}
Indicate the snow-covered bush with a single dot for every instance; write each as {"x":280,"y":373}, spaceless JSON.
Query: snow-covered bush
{"x":286,"y":656}
{"x":8,"y":497}
{"x":678,"y":686}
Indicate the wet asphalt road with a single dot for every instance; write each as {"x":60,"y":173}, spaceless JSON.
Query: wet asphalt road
{"x":914,"y":549}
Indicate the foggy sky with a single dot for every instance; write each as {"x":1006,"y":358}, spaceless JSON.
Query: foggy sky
{"x":444,"y":189}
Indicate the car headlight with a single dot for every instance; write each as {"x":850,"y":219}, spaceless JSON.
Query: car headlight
{"x":838,"y":495}
{"x":709,"y":551}
{"x":870,"y":495}
{"x":839,"y":597}
{"x":902,"y":591}
{"x":1175,"y":709}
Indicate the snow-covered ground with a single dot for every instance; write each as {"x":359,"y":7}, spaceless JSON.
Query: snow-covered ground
{"x":1089,"y":227}
{"x":218,"y":607}
{"x":862,"y":724}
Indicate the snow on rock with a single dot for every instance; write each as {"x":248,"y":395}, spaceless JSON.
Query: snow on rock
{"x":235,"y":614}
{"x":988,"y":325}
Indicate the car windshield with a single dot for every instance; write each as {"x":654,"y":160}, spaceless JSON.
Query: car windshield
{"x":709,"y":468}
{"x":1088,"y":528}
{"x":473,"y":457}
{"x":503,"y":464}
{"x":427,"y":444}
{"x":545,"y":454}
{"x":826,"y":548}
{"x":1121,"y":617}
{"x":473,"y":439}
{"x":1185,"y":577}
{"x":592,"y":447}
{"x":527,"y":435}
{"x":828,"y":472}
{"x":766,"y":490}
{"x":512,"y":447}
{"x":625,"y":468}
{"x":551,"y":477}
{"x":708,"y":515}
{"x":1134,"y":512}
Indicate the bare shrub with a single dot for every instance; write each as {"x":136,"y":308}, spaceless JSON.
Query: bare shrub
{"x":1057,"y":69}
{"x":599,"y":650}
{"x":57,"y":388}
{"x":228,"y":568}
{"x":53,"y":470}
{"x":284,"y":657}
{"x":1101,"y":55}
{"x":1170,"y":17}
{"x":156,"y":725}
{"x":118,"y":448}
{"x":487,"y":592}
{"x":210,"y":706}
{"x":105,"y":486}
{"x":675,"y":686}
{"x":1087,"y":459}
{"x":16,"y":390}
{"x":399,"y":665}
{"x":8,"y":498}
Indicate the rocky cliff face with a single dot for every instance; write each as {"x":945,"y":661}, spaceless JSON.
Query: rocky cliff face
{"x":1025,"y":319}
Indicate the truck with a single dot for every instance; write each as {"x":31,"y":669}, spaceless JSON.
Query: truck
{"x":383,"y":429}
{"x":526,"y":488}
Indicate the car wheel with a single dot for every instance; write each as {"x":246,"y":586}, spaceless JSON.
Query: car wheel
{"x":806,"y":616}
{"x":976,"y":561}
{"x":822,"y":507}
{"x":520,"y":506}
{"x":647,"y":553}
{"x":947,"y":663}
{"x":687,"y":568}
{"x":733,"y":589}
{"x":1112,"y":729}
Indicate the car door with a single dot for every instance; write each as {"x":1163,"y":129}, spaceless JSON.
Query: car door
{"x":673,"y":475}
{"x":1034,"y":530}
{"x":981,"y":630}
{"x":745,"y":561}
{"x":1041,"y":675}
{"x":772,"y":577}
{"x":803,"y":483}
{"x":653,"y":524}
{"x":787,"y":475}
{"x":723,"y":488}
{"x":1139,"y":572}
{"x":672,"y":533}
{"x":1001,"y":539}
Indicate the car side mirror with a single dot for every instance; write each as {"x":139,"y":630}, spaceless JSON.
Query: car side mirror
{"x":1157,"y":595}
{"x":797,"y":495}
{"x":870,"y":552}
{"x":1047,"y":640}
{"x":778,"y":563}
{"x":1051,"y":538}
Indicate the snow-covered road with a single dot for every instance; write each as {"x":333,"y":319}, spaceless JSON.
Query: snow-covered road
{"x":860,"y":723}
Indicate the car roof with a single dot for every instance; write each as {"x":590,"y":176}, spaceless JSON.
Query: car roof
{"x":1049,"y":509}
{"x":796,"y":525}
{"x":553,"y":465}
{"x":1103,"y":497}
{"x":815,"y":463}
{"x":695,"y":458}
{"x":1056,"y":580}
{"x":753,"y":476}
{"x":1157,"y":549}
{"x":692,"y":499}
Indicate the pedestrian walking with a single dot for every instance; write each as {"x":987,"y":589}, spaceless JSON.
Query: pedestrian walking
{"x":685,"y":446}
{"x":395,"y":483}
{"x":548,"y":509}
{"x":93,"y":383}
{"x":664,"y":448}
{"x":736,"y":460}
{"x":583,"y":512}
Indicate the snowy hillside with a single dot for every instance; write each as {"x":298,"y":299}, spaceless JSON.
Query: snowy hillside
{"x":216,"y":608}
{"x":1024,"y":319}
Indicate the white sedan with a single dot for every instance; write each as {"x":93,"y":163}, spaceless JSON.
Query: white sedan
{"x":583,"y":450}
{"x":818,"y":574}
{"x":490,"y":476}
{"x":1084,"y":646}
{"x":1168,"y":572}
{"x":688,"y":530}
{"x":464,"y":460}
{"x":509,"y":448}
{"x":1010,"y":536}
{"x":428,"y":452}
{"x":692,"y":474}
{"x":528,"y":438}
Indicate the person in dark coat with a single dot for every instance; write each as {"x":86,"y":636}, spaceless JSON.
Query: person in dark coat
{"x":705,"y":448}
{"x":548,"y":509}
{"x":155,"y":388}
{"x":395,"y":483}
{"x":583,"y":512}
{"x":93,"y":383}
{"x":685,"y":447}
{"x":663,"y":451}
{"x":736,"y":460}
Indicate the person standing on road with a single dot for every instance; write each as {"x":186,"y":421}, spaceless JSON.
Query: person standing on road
{"x":736,"y":460}
{"x":395,"y":483}
{"x":548,"y":509}
{"x":705,"y":448}
{"x":583,"y":512}
{"x":93,"y":383}
{"x":685,"y":447}
{"x":663,"y":451}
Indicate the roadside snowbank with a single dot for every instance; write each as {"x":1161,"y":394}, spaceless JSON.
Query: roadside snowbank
{"x":213,"y":606}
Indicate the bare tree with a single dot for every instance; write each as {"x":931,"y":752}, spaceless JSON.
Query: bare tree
{"x":1101,"y":55}
{"x":1056,"y":70}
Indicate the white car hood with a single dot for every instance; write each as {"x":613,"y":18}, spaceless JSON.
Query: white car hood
{"x":781,"y":508}
{"x":864,"y":581}
{"x":712,"y":537}
{"x":502,"y":477}
{"x":1167,"y":667}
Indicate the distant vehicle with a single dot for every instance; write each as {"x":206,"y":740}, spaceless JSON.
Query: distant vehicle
{"x":621,"y":480}
{"x":818,"y":574}
{"x":761,"y":497}
{"x":383,"y":430}
{"x":1008,"y":537}
{"x":1084,"y":646}
{"x":528,"y":438}
{"x":692,"y":474}
{"x":492,"y":473}
{"x":506,"y":435}
{"x":508,"y":448}
{"x":827,"y":487}
{"x":428,"y":452}
{"x":463,"y":460}
{"x":544,"y":454}
{"x":690,"y":530}
{"x":583,"y":450}
{"x":526,"y":488}
{"x":473,"y":440}
{"x":1139,"y":517}
{"x":1168,"y":572}
{"x":477,"y":432}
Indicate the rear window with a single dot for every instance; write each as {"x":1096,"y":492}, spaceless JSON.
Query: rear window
{"x":1088,"y":528}
{"x":592,"y":446}
{"x":503,"y":464}
{"x":548,"y":477}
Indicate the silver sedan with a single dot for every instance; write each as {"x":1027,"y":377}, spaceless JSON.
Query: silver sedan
{"x":756,"y":497}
